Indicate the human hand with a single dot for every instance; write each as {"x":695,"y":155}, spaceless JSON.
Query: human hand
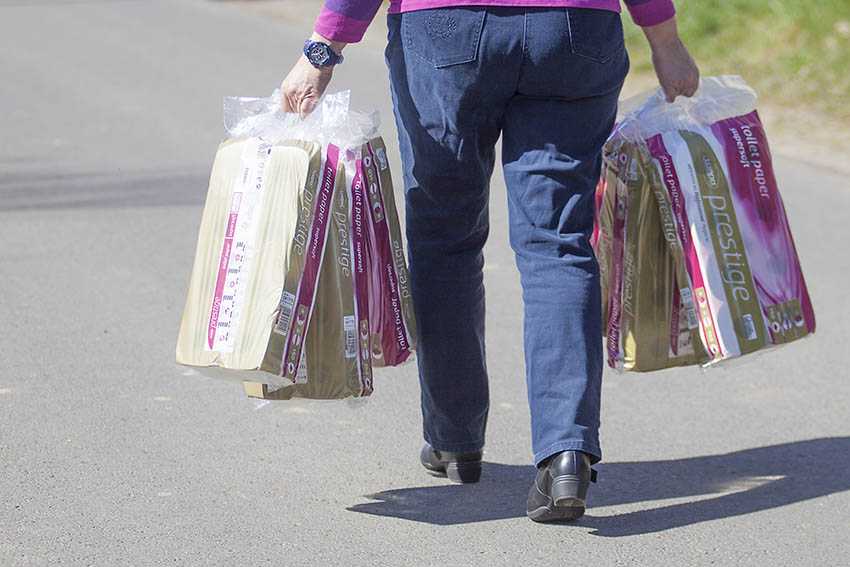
{"x":303,"y":87}
{"x":676,"y":70}
{"x":677,"y":73}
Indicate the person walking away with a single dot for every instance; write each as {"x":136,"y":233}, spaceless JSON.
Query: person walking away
{"x":544,"y":75}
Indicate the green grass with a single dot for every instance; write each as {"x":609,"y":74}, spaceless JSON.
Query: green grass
{"x":793,"y":52}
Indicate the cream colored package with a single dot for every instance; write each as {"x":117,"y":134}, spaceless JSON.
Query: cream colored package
{"x":275,"y":299}
{"x":253,"y":246}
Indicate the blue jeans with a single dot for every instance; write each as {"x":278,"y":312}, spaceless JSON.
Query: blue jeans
{"x":547,"y":81}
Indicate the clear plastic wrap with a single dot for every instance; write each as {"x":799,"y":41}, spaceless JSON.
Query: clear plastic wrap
{"x":274,"y":299}
{"x":697,"y":259}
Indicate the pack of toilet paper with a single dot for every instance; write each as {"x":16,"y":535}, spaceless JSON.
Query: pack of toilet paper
{"x":694,"y":244}
{"x":299,"y":283}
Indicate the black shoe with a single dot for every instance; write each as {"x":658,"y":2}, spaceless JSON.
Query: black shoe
{"x":560,"y":489}
{"x":459,"y":467}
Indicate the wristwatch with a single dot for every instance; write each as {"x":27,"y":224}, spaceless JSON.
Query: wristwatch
{"x":320,"y":54}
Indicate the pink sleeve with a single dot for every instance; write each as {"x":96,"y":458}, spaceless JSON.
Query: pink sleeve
{"x":346,"y":20}
{"x":650,"y":12}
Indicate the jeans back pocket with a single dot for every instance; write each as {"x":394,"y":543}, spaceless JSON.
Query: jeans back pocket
{"x":444,"y":36}
{"x":595,"y":34}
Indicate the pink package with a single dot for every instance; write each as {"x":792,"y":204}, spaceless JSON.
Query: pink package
{"x":712,"y":155}
{"x":390,"y":303}
{"x":767,"y":237}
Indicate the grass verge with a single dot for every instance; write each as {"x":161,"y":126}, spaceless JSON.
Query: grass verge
{"x":793,"y":53}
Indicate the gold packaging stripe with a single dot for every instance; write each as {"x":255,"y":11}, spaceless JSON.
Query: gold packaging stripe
{"x":298,"y":251}
{"x":727,"y":241}
{"x":330,"y":375}
{"x":651,"y":264}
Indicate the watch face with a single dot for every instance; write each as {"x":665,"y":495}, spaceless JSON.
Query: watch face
{"x":318,"y":54}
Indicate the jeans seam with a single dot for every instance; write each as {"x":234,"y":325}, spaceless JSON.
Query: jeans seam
{"x":526,"y":21}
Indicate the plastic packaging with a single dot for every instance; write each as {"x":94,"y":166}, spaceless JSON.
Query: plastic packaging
{"x":649,"y":326}
{"x":697,"y":259}
{"x":391,"y":307}
{"x":274,"y":298}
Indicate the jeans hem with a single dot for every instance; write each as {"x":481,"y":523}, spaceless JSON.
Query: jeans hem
{"x":465,"y":447}
{"x":589,"y":448}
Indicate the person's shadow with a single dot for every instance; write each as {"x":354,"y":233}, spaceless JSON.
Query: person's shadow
{"x":708,"y":488}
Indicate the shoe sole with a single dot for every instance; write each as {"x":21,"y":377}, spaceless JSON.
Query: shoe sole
{"x":556,"y":513}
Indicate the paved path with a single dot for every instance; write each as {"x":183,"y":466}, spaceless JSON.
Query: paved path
{"x":109,"y":455}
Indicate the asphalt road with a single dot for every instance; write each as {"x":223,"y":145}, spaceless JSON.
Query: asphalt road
{"x":110,"y":455}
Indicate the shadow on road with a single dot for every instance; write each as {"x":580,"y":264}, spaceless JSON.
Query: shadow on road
{"x":712,"y":487}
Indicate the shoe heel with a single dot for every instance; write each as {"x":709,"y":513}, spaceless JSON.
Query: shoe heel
{"x":463,"y":473}
{"x":568,"y":491}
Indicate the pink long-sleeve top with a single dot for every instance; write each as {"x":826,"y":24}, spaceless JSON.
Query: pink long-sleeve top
{"x":347,"y":20}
